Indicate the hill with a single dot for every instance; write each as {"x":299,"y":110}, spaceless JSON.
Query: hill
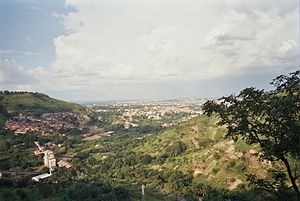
{"x":198,"y":148}
{"x":182,"y":161}
{"x":33,"y":104}
{"x":190,"y":161}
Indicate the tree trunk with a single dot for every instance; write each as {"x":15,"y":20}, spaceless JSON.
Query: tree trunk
{"x":292,"y":178}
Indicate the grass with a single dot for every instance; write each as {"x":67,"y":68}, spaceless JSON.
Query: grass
{"x":210,"y":160}
{"x":241,"y":146}
{"x":150,"y":194}
{"x":35,"y":104}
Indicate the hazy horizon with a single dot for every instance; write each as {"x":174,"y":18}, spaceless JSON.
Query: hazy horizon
{"x":106,"y":50}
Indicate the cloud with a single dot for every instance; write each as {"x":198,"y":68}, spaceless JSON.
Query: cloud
{"x":16,"y":52}
{"x":109,"y":43}
{"x":113,"y":44}
{"x":14,"y":76}
{"x":256,"y":37}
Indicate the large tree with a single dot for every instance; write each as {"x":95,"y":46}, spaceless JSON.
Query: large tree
{"x":268,"y":118}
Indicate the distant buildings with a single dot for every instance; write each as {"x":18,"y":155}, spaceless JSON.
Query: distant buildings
{"x":48,"y":122}
{"x":127,"y":125}
{"x":129,"y":114}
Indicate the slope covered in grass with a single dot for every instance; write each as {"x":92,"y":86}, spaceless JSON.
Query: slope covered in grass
{"x":198,"y":148}
{"x":34,"y":104}
{"x":179,"y":161}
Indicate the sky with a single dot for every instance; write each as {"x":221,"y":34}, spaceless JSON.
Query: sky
{"x":96,"y":50}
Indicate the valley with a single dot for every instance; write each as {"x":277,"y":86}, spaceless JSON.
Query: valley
{"x":108,"y":151}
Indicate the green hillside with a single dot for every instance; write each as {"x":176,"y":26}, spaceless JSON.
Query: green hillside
{"x":178,"y":161}
{"x":34,"y":104}
{"x":189,"y":161}
{"x":198,"y":148}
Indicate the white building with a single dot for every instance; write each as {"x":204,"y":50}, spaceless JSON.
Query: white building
{"x":42,"y":176}
{"x":49,"y":159}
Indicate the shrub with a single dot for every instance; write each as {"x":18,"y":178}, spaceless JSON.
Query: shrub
{"x":217,"y":155}
{"x":215,"y":170}
{"x":176,"y":149}
{"x":231,"y":164}
{"x":146,"y":159}
{"x":205,"y":142}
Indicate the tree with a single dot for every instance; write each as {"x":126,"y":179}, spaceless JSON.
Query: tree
{"x":269,"y":118}
{"x":178,"y":181}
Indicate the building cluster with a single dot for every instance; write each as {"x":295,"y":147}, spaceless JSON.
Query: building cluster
{"x":47,"y":123}
{"x":154,"y":112}
{"x":66,"y":116}
{"x":130,"y":113}
{"x":49,"y":161}
{"x":23,"y":124}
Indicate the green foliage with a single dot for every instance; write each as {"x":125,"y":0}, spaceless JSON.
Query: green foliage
{"x":34,"y":104}
{"x":219,"y":134}
{"x":216,"y":155}
{"x":161,"y":158}
{"x":205,"y":142}
{"x":176,"y":149}
{"x":178,"y":181}
{"x":242,"y":146}
{"x":231,"y":164}
{"x":4,"y":146}
{"x":164,"y":161}
{"x":274,"y":183}
{"x":12,"y":152}
{"x":79,"y":190}
{"x":3,"y":115}
{"x":146,"y":159}
{"x":270,"y":119}
{"x":95,"y":191}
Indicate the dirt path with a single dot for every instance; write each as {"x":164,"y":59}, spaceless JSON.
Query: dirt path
{"x":93,"y":137}
{"x":235,"y":184}
{"x":195,"y":142}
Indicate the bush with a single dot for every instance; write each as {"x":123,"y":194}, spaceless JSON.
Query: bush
{"x":176,"y":149}
{"x":205,"y":142}
{"x":179,"y":180}
{"x":217,"y":155}
{"x":92,"y":191}
{"x":231,"y":164}
{"x":146,"y":159}
{"x":161,"y":159}
{"x":215,"y":170}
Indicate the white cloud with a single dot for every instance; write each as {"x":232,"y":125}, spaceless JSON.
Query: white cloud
{"x":254,"y":37}
{"x":112,"y":42}
{"x":14,"y":75}
{"x":10,"y":52}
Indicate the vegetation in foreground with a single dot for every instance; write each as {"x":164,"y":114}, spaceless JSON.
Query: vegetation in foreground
{"x":270,"y":119}
{"x":190,"y":161}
